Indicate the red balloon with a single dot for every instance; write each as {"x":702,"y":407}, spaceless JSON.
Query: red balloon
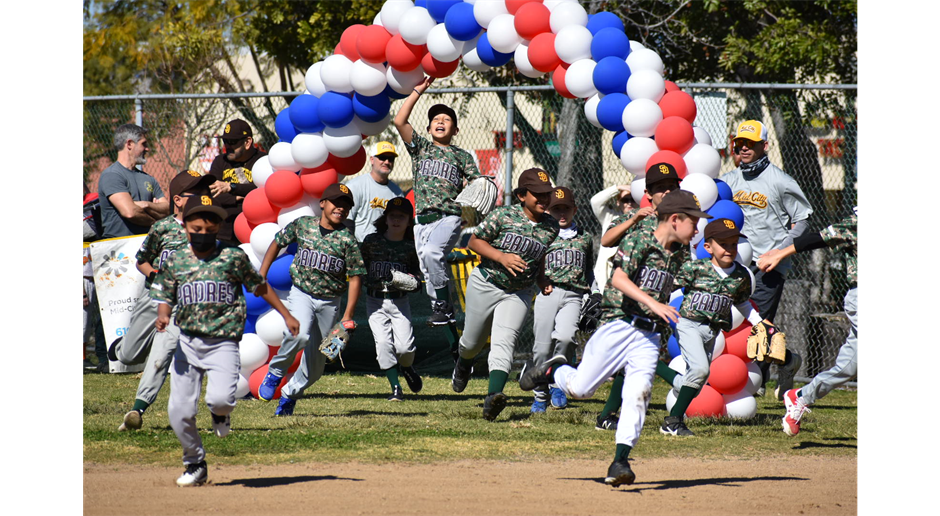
{"x":438,"y":69}
{"x":350,"y":165}
{"x":411,"y":197}
{"x":243,"y":228}
{"x":645,"y":201}
{"x":671,"y":86}
{"x":315,"y":180}
{"x":736,"y":341}
{"x":254,"y":381}
{"x":338,"y":50}
{"x":708,"y":403}
{"x":728,"y":374}
{"x":542,"y":54}
{"x":403,"y":56}
{"x":514,"y":6}
{"x":372,"y":42}
{"x":558,"y":80}
{"x":532,"y":19}
{"x":258,"y":209}
{"x":675,"y":133}
{"x":283,"y":188}
{"x":671,"y":157}
{"x":678,"y":103}
{"x":348,"y":41}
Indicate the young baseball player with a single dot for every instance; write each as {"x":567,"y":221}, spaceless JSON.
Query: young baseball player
{"x":327,"y":253}
{"x":711,"y":286}
{"x":440,"y":170}
{"x":204,"y":282}
{"x":568,"y":274}
{"x":631,"y":344}
{"x":141,"y":341}
{"x":391,"y":248}
{"x":841,"y":236}
{"x":512,"y":241}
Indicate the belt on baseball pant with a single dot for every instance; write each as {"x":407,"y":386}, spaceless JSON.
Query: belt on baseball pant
{"x":429,"y":216}
{"x":642,"y":323}
{"x":386,"y":295}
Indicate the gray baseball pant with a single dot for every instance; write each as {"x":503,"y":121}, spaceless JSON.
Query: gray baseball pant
{"x":555,"y":320}
{"x":316,"y":317}
{"x":433,"y":242}
{"x":216,"y":358}
{"x":493,"y":313}
{"x":696,"y":343}
{"x":141,"y":332}
{"x":846,"y":366}
{"x":390,"y":321}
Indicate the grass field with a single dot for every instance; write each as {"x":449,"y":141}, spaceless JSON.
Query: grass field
{"x":346,"y":417}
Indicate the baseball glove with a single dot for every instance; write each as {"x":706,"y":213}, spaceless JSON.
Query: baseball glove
{"x":766,"y":343}
{"x":404,"y":282}
{"x":480,"y":194}
{"x":335,"y":342}
{"x":590,"y":313}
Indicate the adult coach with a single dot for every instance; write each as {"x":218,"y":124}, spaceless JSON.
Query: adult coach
{"x":372,"y":191}
{"x":775,"y":212}
{"x":232,"y":171}
{"x":131,"y":200}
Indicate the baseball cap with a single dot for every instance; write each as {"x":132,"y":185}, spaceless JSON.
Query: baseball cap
{"x":535,"y":180}
{"x":336,"y":191}
{"x":400,"y":204}
{"x":236,"y":130}
{"x":562,"y":196}
{"x":187,"y":180}
{"x":437,"y":109}
{"x":721,"y":228}
{"x":681,"y":201}
{"x":661,"y":172}
{"x":203,"y":204}
{"x":383,"y":148}
{"x":751,"y":130}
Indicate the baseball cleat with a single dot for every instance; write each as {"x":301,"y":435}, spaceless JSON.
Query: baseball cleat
{"x":221,"y":425}
{"x":412,"y":378}
{"x":539,"y":407}
{"x":607,"y":423}
{"x":268,"y":388}
{"x":785,"y":375}
{"x":442,"y":313}
{"x":459,"y":379}
{"x":112,"y":352}
{"x":195,"y":475}
{"x":559,"y":400}
{"x":760,"y":392}
{"x":397,"y":395}
{"x":133,"y":420}
{"x":285,"y":407}
{"x":493,"y":404}
{"x":532,"y":377}
{"x":619,"y":473}
{"x":674,"y":425}
{"x":795,"y":410}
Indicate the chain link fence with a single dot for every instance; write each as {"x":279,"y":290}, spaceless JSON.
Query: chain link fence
{"x":812,"y":135}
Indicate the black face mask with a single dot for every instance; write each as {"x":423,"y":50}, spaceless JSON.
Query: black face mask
{"x":202,"y":242}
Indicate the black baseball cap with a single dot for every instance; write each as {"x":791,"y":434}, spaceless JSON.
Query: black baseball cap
{"x":400,"y":204}
{"x":188,"y":180}
{"x":203,"y":204}
{"x":236,"y":130}
{"x":562,"y":196}
{"x":681,"y":201}
{"x":722,"y":228}
{"x":437,"y":109}
{"x":661,"y":172}
{"x":536,"y":180}
{"x":336,"y":191}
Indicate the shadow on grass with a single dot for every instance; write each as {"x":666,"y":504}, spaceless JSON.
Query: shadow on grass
{"x":805,"y":445}
{"x":682,"y":484}
{"x":283,"y":481}
{"x":384,"y":396}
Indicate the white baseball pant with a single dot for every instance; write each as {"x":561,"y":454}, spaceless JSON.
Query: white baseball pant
{"x":433,"y":242}
{"x":390,"y":321}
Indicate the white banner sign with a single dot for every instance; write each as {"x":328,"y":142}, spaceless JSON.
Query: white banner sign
{"x":118,"y":284}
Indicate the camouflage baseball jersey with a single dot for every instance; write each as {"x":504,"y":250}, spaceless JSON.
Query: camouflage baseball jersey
{"x":569,"y":263}
{"x":843,"y":235}
{"x":439,"y":173}
{"x":648,"y":222}
{"x":207,"y":293}
{"x":708,"y":296}
{"x":165,"y":237}
{"x":382,"y":256}
{"x":322,"y":262}
{"x":509,"y":230}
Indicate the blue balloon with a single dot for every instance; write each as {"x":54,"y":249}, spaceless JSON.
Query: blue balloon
{"x":724,"y":191}
{"x":488,"y":55}
{"x":700,"y":251}
{"x":371,"y":109}
{"x":727,"y":210}
{"x":392,"y":94}
{"x":421,"y":3}
{"x":279,"y":273}
{"x":291,"y":249}
{"x":460,"y":23}
{"x":610,"y":111}
{"x":438,"y":9}
{"x":255,"y":305}
{"x":250,"y":323}
{"x":611,"y":75}
{"x":283,"y":127}
{"x":603,"y":20}
{"x":619,"y":139}
{"x":673,"y":347}
{"x":335,"y":109}
{"x":303,"y":114}
{"x":610,"y":42}
{"x":675,"y":303}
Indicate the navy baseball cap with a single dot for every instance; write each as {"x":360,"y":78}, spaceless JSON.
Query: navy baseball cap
{"x":437,"y":109}
{"x":336,"y":191}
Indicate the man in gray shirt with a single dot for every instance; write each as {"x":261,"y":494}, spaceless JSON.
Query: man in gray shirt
{"x":371,"y":191}
{"x":131,"y":200}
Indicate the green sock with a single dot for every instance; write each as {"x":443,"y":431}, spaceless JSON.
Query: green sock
{"x":141,"y":406}
{"x":685,"y":397}
{"x":392,"y":375}
{"x":498,"y":381}
{"x":453,"y":338}
{"x":664,"y":372}
{"x":623,"y":451}
{"x":465,"y":363}
{"x":614,"y":400}
{"x":443,"y":294}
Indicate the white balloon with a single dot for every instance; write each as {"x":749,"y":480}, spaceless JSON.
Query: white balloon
{"x":308,"y":150}
{"x":701,"y":135}
{"x":485,"y":10}
{"x":242,"y":388}
{"x":415,"y":24}
{"x":312,"y":80}
{"x":391,"y":14}
{"x":745,"y":255}
{"x":638,"y":189}
{"x":262,"y":236}
{"x":703,"y":159}
{"x":671,"y":401}
{"x":703,"y":187}
{"x":635,"y":153}
{"x":678,"y":365}
{"x":740,"y":405}
{"x":677,"y":293}
{"x":521,"y":58}
{"x":737,"y":318}
{"x":343,"y":141}
{"x":579,"y":78}
{"x":636,"y":45}
{"x":502,"y":34}
{"x":640,"y":118}
{"x":754,"y":378}
{"x":646,"y":84}
{"x":573,"y":42}
{"x":443,"y":47}
{"x":252,"y":352}
{"x":567,"y":14}
{"x":552,"y":4}
{"x":471,"y":58}
{"x":701,"y":232}
{"x":280,"y":158}
{"x":644,"y":59}
{"x":590,"y":108}
{"x":271,"y":328}
{"x":404,"y":82}
{"x":291,"y":213}
{"x":367,"y":78}
{"x":252,"y":257}
{"x":261,"y":170}
{"x":378,"y":19}
{"x":719,"y":345}
{"x":372,"y":128}
{"x":315,"y":206}
{"x":334,"y":72}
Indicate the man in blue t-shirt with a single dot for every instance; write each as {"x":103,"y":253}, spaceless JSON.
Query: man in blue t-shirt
{"x":131,"y":200}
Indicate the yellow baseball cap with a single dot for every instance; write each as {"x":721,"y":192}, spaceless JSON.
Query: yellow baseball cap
{"x":751,"y":130}
{"x":383,"y":148}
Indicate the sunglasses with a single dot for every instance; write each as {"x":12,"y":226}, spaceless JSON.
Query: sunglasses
{"x":390,"y":159}
{"x":232,"y":143}
{"x":740,"y":144}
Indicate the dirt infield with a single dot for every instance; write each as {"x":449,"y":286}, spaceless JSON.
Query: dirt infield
{"x":786,"y":485}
